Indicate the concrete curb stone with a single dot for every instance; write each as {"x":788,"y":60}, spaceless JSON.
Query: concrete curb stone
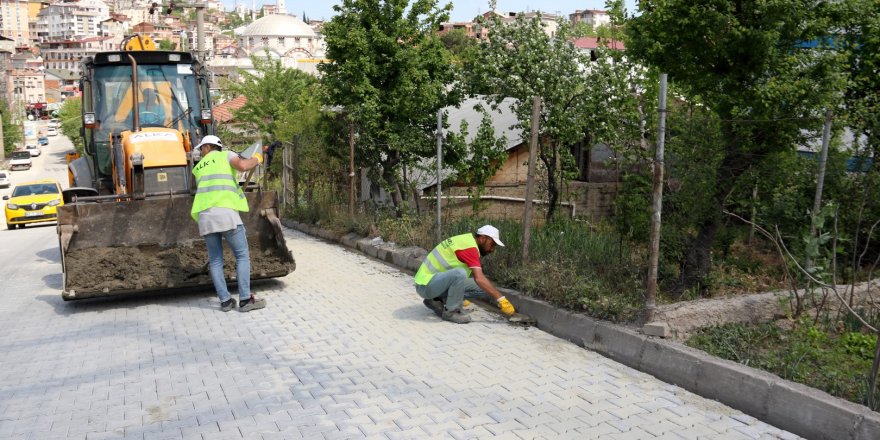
{"x":794,"y":407}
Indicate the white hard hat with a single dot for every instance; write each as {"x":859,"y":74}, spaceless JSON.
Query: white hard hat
{"x":491,"y":232}
{"x":210,"y":140}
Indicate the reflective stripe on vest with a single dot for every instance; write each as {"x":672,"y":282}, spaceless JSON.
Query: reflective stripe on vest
{"x":443,"y":258}
{"x":217,"y":187}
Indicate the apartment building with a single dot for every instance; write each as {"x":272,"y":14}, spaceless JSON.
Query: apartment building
{"x":592,"y":17}
{"x":27,"y":89}
{"x":70,"y":20}
{"x":67,"y":54}
{"x":14,"y":21}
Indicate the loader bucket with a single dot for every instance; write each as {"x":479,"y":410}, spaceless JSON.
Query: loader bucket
{"x":153,"y":244}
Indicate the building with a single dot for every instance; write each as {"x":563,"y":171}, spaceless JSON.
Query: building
{"x":283,"y":35}
{"x":28,"y":90}
{"x":60,"y":85}
{"x":470,"y":27}
{"x":70,"y":20}
{"x":14,"y":21}
{"x":117,"y":24}
{"x":592,"y":17}
{"x":67,"y":55}
{"x":26,"y":60}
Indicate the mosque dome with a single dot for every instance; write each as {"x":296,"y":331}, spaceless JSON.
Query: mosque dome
{"x":279,"y":25}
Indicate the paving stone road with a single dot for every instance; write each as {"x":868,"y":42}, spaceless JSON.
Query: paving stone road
{"x":345,"y":349}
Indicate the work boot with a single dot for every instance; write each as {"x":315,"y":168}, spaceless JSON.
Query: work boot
{"x":252,"y":303}
{"x":465,"y":303}
{"x":435,"y":305}
{"x":227,"y":305}
{"x":455,"y":316}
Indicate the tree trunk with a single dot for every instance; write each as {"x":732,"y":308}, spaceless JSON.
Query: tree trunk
{"x":552,"y":187}
{"x":390,"y":177}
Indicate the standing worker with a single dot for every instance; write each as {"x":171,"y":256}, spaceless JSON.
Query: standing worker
{"x":452,"y":271}
{"x":216,"y":205}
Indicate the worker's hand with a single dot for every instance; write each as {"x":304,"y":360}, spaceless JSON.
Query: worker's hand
{"x":258,"y":157}
{"x":506,"y":307}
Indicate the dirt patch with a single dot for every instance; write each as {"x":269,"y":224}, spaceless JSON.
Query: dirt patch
{"x":123,"y":269}
{"x":687,"y":317}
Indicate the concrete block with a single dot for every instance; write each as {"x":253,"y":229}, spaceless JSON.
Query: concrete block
{"x":619,"y":343}
{"x":672,"y":363}
{"x":868,"y":427}
{"x":736,"y":385}
{"x":660,"y":329}
{"x":414,"y":263}
{"x":362,"y":244}
{"x":384,"y":253}
{"x":350,"y":240}
{"x":791,"y":404}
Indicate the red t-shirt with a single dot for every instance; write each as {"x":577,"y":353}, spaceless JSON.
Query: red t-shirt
{"x":469,"y":256}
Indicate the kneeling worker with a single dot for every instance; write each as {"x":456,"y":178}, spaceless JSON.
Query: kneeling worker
{"x":452,"y":271}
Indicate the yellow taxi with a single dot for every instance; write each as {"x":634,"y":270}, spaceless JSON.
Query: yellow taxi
{"x":33,"y":202}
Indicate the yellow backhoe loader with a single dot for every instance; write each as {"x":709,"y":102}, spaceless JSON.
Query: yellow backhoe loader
{"x":125,"y":225}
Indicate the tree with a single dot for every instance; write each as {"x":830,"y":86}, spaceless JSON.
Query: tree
{"x":167,"y":45}
{"x":581,"y":100}
{"x":390,"y":74}
{"x":275,"y":97}
{"x":12,"y":132}
{"x":480,"y":159}
{"x":70,"y":116}
{"x":860,"y":42}
{"x":746,"y":62}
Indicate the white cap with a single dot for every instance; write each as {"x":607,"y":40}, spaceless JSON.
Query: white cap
{"x":491,"y":232}
{"x":210,"y":139}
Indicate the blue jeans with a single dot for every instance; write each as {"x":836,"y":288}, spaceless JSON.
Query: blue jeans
{"x":452,"y":287}
{"x":237,"y":241}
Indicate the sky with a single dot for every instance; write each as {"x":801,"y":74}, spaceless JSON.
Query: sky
{"x":462,"y":10}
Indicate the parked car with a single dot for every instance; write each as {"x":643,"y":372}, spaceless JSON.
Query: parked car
{"x":43,"y":140}
{"x":4,"y":179}
{"x":32,"y":202}
{"x":33,"y":149}
{"x":52,"y":131}
{"x":20,"y":159}
{"x":54,"y":123}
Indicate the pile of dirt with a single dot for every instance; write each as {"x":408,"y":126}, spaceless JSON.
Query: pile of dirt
{"x":686,"y":318}
{"x":123,"y":269}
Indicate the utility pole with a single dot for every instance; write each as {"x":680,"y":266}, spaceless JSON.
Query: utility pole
{"x":351,"y":173}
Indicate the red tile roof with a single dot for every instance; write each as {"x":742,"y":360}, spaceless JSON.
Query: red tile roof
{"x":224,"y":112}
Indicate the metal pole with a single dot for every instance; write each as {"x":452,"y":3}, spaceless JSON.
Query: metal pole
{"x":2,"y":140}
{"x":351,"y":173}
{"x":657,"y":205}
{"x":530,"y":179}
{"x":439,"y":135}
{"x":200,"y":30}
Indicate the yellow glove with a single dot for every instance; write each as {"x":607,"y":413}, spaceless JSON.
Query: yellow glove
{"x":506,"y":307}
{"x":258,"y":157}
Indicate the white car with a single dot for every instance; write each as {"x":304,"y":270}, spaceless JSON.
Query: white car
{"x":20,"y":159}
{"x":33,"y":149}
{"x":4,"y":179}
{"x":51,"y":131}
{"x":53,"y":123}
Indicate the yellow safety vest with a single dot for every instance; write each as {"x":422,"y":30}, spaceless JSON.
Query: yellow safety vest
{"x":443,"y":258}
{"x":216,"y":185}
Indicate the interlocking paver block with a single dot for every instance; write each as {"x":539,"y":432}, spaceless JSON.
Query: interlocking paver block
{"x":345,"y":349}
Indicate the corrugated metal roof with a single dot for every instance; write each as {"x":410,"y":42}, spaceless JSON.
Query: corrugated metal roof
{"x":503,"y":119}
{"x":504,"y":122}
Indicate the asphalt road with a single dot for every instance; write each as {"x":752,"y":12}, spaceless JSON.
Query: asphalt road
{"x":345,"y":349}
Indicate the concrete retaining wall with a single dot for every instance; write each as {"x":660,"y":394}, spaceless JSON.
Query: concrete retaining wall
{"x":787,"y":405}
